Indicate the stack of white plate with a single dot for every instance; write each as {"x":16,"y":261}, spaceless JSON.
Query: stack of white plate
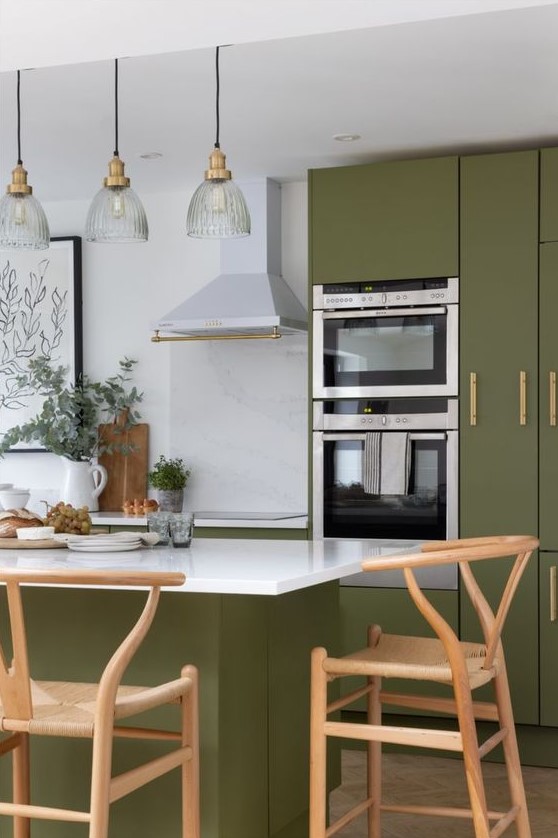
{"x":105,"y":543}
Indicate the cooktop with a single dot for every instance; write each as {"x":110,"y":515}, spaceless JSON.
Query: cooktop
{"x":247,"y":516}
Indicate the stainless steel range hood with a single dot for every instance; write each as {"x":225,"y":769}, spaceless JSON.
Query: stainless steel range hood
{"x":249,"y":298}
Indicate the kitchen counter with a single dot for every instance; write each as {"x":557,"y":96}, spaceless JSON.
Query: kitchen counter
{"x":231,"y":566}
{"x":247,"y":520}
{"x":248,"y":616}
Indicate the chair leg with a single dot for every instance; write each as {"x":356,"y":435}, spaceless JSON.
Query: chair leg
{"x":511,"y":752}
{"x":191,"y":768}
{"x":21,"y":785}
{"x":471,"y":758}
{"x":374,"y":766}
{"x":318,"y":745}
{"x":100,"y":782}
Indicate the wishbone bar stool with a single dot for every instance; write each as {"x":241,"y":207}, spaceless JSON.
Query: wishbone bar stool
{"x":445,"y":659}
{"x":68,"y":709}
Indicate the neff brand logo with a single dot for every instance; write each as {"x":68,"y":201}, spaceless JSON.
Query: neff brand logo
{"x":213,"y":323}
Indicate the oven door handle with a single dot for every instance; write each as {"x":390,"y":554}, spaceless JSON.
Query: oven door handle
{"x":347,"y":436}
{"x":351,"y":314}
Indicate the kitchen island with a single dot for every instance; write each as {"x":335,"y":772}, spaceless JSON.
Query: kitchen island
{"x":248,"y":615}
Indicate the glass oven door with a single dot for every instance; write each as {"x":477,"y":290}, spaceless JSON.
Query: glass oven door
{"x":386,"y":352}
{"x":343,"y":509}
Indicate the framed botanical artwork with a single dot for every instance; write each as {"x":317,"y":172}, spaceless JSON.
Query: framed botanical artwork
{"x":40,"y":316}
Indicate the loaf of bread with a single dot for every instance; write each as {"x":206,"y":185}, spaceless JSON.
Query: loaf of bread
{"x":13,"y":519}
{"x":137,"y":506}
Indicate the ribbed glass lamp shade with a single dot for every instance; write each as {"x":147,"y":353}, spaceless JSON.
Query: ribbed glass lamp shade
{"x":116,"y":214}
{"x":218,"y":210}
{"x":23,"y":223}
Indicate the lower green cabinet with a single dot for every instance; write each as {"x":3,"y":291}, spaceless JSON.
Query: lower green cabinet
{"x":548,"y":616}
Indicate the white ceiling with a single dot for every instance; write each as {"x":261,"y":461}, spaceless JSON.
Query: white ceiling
{"x":411,"y":80}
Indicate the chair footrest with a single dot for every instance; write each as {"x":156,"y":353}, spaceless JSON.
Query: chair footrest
{"x":439,"y":811}
{"x":445,"y":740}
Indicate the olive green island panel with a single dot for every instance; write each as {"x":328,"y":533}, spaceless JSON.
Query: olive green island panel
{"x":392,"y":220}
{"x":253,"y":654}
{"x":499,"y":342}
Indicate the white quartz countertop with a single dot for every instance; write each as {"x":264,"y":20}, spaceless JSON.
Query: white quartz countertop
{"x":229,"y":565}
{"x":250,"y":520}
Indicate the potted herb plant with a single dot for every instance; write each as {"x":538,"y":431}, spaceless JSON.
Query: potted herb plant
{"x":169,"y":476}
{"x":68,"y":423}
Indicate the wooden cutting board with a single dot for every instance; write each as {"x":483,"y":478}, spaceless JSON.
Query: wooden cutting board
{"x":127,"y":473}
{"x":23,"y":544}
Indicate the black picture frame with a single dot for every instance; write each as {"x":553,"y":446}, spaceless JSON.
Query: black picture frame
{"x":40,"y":314}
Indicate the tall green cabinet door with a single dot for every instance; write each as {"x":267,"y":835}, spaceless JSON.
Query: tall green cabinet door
{"x":549,"y":195}
{"x":548,"y":425}
{"x":498,"y":387}
{"x":392,"y":220}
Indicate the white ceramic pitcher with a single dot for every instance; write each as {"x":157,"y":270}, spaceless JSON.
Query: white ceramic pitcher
{"x":82,"y":483}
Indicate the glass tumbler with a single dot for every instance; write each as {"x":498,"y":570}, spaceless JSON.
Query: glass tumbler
{"x":181,"y":528}
{"x":158,"y":522}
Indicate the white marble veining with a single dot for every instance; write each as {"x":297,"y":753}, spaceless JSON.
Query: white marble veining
{"x":229,"y":566}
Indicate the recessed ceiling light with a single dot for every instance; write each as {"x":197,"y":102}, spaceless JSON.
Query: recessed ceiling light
{"x":151,"y":155}
{"x":346,"y":138}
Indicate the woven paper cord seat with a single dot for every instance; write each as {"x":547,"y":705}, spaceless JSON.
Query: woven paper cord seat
{"x":445,"y":659}
{"x":71,"y":709}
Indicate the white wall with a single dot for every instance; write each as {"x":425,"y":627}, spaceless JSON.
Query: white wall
{"x":237,"y":412}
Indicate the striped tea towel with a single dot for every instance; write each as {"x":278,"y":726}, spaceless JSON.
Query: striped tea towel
{"x":386,"y":463}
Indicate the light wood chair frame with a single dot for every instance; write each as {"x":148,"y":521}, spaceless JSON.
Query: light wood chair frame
{"x":490,"y":667}
{"x":19,"y":719}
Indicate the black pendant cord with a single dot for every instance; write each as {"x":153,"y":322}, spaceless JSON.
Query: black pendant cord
{"x":116,"y":107}
{"x":19,"y":160}
{"x":217,"y":97}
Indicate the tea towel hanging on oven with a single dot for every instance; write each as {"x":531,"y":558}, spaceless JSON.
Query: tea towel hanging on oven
{"x":386,"y":463}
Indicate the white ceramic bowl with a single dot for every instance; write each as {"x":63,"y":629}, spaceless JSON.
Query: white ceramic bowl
{"x":14,"y":498}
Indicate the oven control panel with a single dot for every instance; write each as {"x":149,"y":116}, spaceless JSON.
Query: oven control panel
{"x":397,"y":292}
{"x":324,"y":420}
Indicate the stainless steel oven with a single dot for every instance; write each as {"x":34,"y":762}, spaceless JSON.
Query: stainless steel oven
{"x":396,"y":338}
{"x":424,"y":507}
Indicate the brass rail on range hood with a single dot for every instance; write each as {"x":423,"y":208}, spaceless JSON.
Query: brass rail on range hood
{"x":157,"y":338}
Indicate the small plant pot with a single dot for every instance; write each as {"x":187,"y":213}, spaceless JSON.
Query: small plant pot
{"x":170,"y":500}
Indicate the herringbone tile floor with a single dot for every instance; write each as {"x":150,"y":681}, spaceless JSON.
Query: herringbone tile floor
{"x":416,"y":779}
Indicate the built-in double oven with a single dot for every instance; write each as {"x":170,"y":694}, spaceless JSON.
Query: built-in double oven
{"x":385,"y":411}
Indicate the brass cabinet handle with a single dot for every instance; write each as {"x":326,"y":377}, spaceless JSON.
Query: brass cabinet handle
{"x":522,"y":398}
{"x":553,"y":608}
{"x":473,"y":398}
{"x":552,"y":398}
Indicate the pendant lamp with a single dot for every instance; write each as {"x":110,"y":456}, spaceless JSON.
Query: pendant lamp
{"x":116,"y":213}
{"x":23,"y":223}
{"x":218,"y":208}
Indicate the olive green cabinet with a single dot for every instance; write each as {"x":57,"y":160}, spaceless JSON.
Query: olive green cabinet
{"x":393,"y":220}
{"x":548,"y":373}
{"x":393,"y":610}
{"x":549,"y":195}
{"x":549,"y":638}
{"x":499,"y":385}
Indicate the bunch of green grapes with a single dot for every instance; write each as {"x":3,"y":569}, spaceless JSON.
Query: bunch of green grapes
{"x":66,"y":518}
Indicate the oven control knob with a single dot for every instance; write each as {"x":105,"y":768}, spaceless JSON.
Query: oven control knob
{"x":404,"y":419}
{"x":398,"y":419}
